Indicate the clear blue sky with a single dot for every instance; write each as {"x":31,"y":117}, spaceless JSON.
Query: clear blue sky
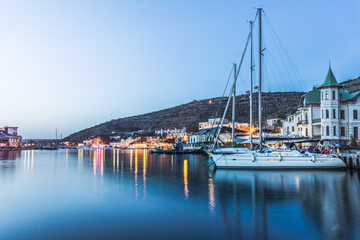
{"x":74,"y":64}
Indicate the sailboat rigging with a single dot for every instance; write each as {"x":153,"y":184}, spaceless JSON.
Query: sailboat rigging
{"x":262,"y":158}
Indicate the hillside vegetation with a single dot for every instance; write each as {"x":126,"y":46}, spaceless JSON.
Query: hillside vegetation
{"x":275,"y":104}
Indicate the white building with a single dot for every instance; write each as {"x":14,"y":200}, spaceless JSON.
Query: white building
{"x":273,"y":121}
{"x":326,"y":112}
{"x":171,"y":132}
{"x":216,"y":122}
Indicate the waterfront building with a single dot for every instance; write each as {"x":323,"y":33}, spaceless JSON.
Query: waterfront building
{"x":9,"y":137}
{"x":326,"y":112}
{"x":216,"y":122}
{"x":92,"y":141}
{"x":272,"y":122}
{"x":171,"y":132}
{"x":205,"y":137}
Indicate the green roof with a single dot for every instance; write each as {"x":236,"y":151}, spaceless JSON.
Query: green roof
{"x":313,"y":96}
{"x":345,"y":96}
{"x":330,"y":80}
{"x":293,"y":115}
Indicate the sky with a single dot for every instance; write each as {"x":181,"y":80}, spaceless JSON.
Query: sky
{"x":74,"y":64}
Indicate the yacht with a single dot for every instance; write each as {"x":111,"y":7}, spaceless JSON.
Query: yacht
{"x":264,"y":158}
{"x":276,"y":159}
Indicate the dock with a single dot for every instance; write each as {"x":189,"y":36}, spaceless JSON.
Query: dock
{"x":352,"y":161}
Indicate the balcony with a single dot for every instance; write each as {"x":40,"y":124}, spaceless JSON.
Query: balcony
{"x":317,"y":120}
{"x":303,"y":122}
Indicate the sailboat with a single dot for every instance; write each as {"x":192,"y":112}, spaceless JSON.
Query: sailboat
{"x":266,"y":158}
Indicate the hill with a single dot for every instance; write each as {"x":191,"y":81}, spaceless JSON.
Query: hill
{"x":275,"y":104}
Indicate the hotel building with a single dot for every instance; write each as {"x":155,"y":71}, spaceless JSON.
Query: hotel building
{"x":326,"y":112}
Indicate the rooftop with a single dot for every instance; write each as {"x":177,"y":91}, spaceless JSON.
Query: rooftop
{"x":330,"y":80}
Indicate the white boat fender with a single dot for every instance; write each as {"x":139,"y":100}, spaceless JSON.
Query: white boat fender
{"x":280,"y":157}
{"x":313,"y":158}
{"x":253,"y":158}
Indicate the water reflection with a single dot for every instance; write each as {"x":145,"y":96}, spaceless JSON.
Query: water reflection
{"x":144,"y":172}
{"x":211,"y":196}
{"x":222,"y":204}
{"x":9,"y":155}
{"x":186,"y":189}
{"x":28,"y":161}
{"x":322,"y":197}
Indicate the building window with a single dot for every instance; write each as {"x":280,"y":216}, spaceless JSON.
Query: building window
{"x":355,"y":114}
{"x":306,"y":132}
{"x":334,"y":95}
{"x":334,"y":113}
{"x":334,"y":130}
{"x":293,"y":129}
{"x":322,"y":95}
{"x":356,"y":133}
{"x":342,"y":131}
{"x":327,"y":95}
{"x":342,"y":114}
{"x":327,"y":131}
{"x":287,"y":129}
{"x":327,"y":113}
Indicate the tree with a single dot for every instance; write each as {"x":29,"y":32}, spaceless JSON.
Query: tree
{"x":353,"y":143}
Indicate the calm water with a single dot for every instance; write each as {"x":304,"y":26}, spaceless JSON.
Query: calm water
{"x":93,"y":194}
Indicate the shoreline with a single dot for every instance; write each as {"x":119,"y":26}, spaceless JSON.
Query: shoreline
{"x":14,"y":149}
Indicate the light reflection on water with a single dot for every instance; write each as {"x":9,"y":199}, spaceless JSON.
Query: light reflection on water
{"x":112,"y":193}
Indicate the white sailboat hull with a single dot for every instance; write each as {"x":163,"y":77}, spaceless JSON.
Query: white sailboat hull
{"x":277,"y":161}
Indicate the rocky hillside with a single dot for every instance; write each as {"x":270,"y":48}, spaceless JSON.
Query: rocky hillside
{"x":352,"y":85}
{"x":276,"y":104}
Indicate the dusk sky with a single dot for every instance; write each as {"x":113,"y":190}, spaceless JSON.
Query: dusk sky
{"x":74,"y":64}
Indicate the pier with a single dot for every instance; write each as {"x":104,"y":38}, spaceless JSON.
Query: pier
{"x":352,"y":161}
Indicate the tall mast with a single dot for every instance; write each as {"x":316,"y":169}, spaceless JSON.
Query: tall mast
{"x":251,"y":85}
{"x":260,"y":75}
{"x":233,"y":109}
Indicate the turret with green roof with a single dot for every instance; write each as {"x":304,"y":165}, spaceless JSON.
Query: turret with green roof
{"x":330,"y":81}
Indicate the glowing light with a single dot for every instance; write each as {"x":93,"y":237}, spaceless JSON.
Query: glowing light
{"x":186,"y":190}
